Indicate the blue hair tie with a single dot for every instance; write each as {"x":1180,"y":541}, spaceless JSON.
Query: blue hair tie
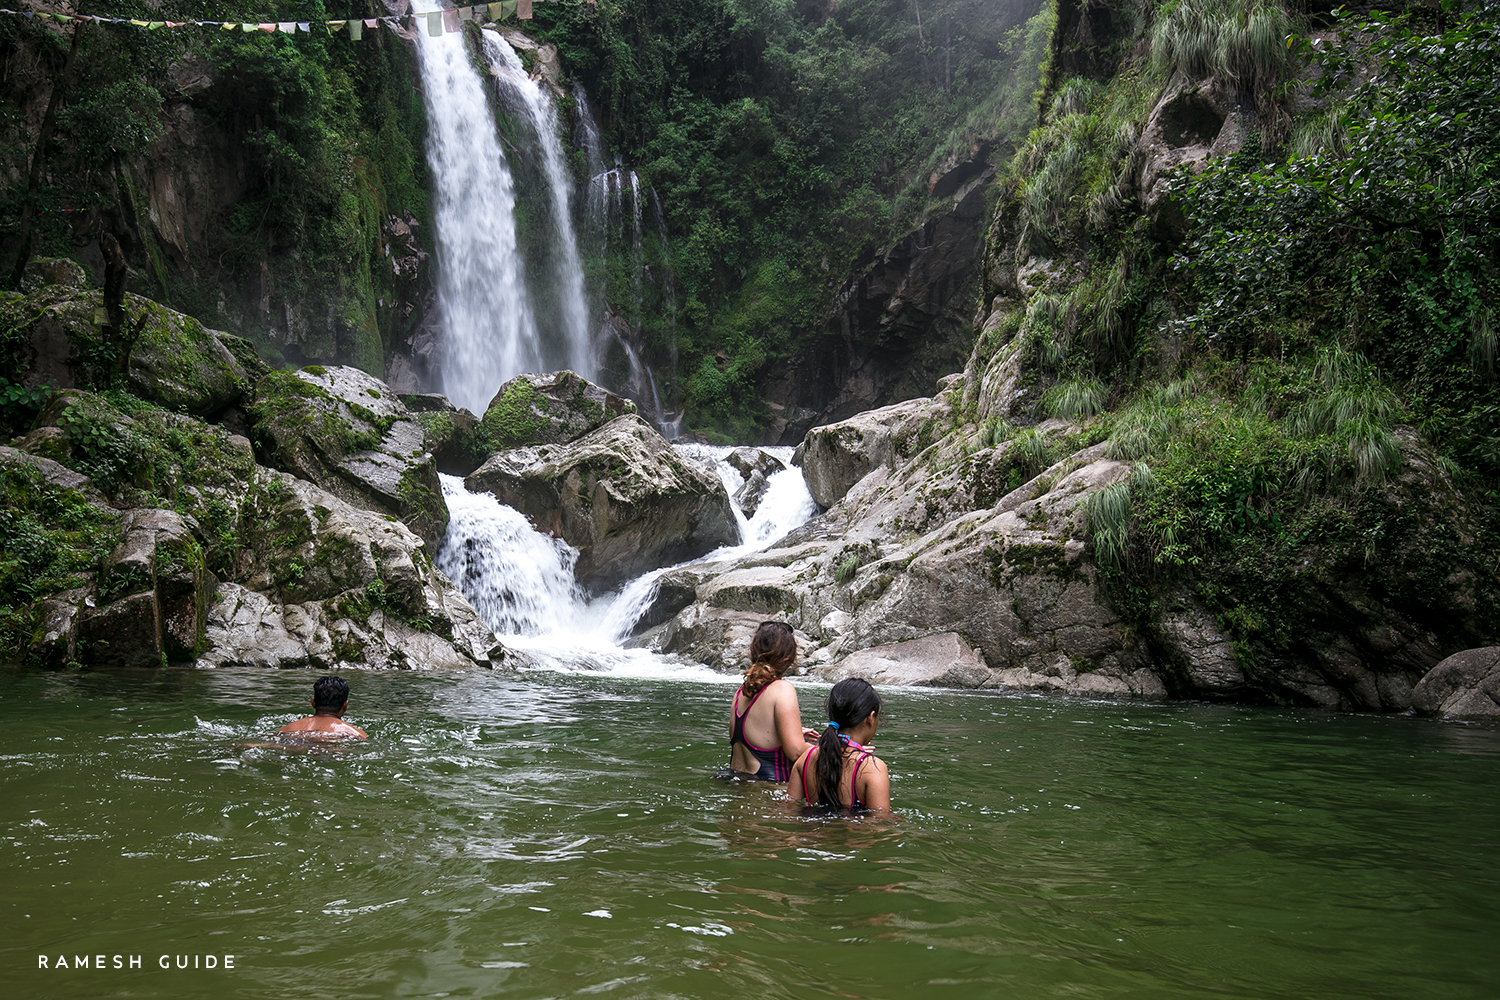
{"x":835,"y":725}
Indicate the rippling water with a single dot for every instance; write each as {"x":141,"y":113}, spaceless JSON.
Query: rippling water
{"x":555,"y":834}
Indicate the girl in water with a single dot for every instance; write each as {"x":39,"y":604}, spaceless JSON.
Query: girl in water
{"x":841,"y":771}
{"x":765,"y":722}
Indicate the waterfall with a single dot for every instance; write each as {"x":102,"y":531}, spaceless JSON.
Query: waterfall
{"x":489,"y":329}
{"x":521,"y":581}
{"x":566,"y":281}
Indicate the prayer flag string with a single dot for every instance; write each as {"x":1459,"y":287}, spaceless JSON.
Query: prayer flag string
{"x":437,"y":22}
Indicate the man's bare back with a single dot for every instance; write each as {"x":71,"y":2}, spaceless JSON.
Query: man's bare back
{"x":330,"y":700}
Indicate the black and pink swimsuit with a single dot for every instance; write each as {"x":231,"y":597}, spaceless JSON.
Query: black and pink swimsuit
{"x":774,"y":765}
{"x":854,"y":802}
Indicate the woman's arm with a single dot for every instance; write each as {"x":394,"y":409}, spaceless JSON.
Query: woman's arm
{"x":794,"y":790}
{"x":875,"y":785}
{"x":789,"y":722}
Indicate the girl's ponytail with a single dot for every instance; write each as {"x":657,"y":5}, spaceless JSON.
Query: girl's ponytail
{"x":849,"y":703}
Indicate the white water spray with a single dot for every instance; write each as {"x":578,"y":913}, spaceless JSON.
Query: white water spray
{"x":521,"y":581}
{"x":490,"y":333}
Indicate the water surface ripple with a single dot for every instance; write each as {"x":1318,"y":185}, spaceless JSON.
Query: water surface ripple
{"x":556,"y":834}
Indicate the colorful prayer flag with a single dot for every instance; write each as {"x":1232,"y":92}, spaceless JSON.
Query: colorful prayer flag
{"x":435,"y":24}
{"x":229,"y":25}
{"x":356,"y":30}
{"x":450,"y":20}
{"x":372,"y":22}
{"x":523,"y":9}
{"x":497,"y":11}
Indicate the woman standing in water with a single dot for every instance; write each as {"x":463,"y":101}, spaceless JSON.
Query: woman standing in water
{"x":765,"y":722}
{"x":841,"y":771}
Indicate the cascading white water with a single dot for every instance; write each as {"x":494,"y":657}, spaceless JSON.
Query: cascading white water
{"x":490,"y":333}
{"x":521,"y":581}
{"x":518,"y":579}
{"x":567,"y":281}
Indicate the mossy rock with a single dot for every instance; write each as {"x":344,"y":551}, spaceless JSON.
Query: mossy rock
{"x":553,"y":408}
{"x":621,"y":494}
{"x":55,"y":336}
{"x":347,"y":431}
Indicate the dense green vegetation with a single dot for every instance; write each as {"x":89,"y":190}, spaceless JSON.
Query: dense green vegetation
{"x":1261,"y":338}
{"x":786,"y":140}
{"x":309,"y":146}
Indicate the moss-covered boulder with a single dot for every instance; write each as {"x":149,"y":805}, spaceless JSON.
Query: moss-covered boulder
{"x":324,"y":583}
{"x":348,"y":432}
{"x":452,"y":434}
{"x":553,"y":408}
{"x":620,"y":494}
{"x":151,"y":602}
{"x":55,"y":336}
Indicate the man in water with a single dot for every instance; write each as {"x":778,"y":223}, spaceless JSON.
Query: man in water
{"x":330,"y":700}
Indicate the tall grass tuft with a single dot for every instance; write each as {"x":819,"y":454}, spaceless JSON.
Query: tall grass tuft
{"x":1355,"y":410}
{"x":1146,"y":426}
{"x":1073,"y":97}
{"x":1032,"y":452}
{"x":1108,"y":512}
{"x":1244,"y":40}
{"x":1075,"y":399}
{"x":1482,"y":341}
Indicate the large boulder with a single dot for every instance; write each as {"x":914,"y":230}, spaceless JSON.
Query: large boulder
{"x":963,"y":540}
{"x":1466,"y":685}
{"x":620,"y":494}
{"x":58,"y":341}
{"x":321,"y":582}
{"x":551,"y":408}
{"x":940,"y":660}
{"x":348,"y":432}
{"x":452,"y":434}
{"x":836,"y":456}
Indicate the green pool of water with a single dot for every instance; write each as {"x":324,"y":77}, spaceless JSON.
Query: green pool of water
{"x":554,"y":835}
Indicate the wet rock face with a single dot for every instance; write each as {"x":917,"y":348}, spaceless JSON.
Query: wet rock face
{"x":620,"y":494}
{"x":836,"y":456}
{"x":153,"y":596}
{"x":941,"y":660}
{"x":935,"y":565}
{"x":349,"y":433}
{"x":323,"y":582}
{"x":1466,"y":685}
{"x":553,"y":408}
{"x":175,"y":361}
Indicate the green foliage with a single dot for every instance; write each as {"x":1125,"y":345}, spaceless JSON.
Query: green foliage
{"x":848,"y":568}
{"x":19,"y":406}
{"x":786,"y":143}
{"x":48,"y":535}
{"x":1387,"y":233}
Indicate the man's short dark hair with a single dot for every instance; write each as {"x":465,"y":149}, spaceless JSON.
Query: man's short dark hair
{"x":330,"y":692}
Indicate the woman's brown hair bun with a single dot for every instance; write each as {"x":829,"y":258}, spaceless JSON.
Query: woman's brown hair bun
{"x":773,"y":650}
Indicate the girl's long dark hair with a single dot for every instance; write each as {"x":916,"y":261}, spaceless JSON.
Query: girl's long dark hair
{"x":773,"y":650}
{"x":849,"y":703}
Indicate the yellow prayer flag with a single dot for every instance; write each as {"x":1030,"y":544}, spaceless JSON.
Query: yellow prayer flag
{"x":497,"y":11}
{"x":229,"y":25}
{"x":139,"y":24}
